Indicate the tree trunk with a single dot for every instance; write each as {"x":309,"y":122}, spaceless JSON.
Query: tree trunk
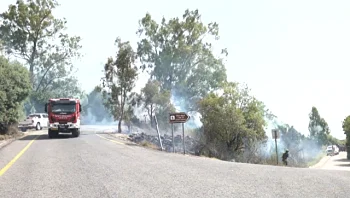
{"x":31,"y":63}
{"x":123,"y":98}
{"x":121,"y":119}
{"x":151,"y":117}
{"x":347,"y":145}
{"x":120,"y":126}
{"x":129,"y":127}
{"x":31,"y":72}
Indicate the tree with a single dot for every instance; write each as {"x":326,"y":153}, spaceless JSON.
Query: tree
{"x":333,"y":140}
{"x":29,"y":31}
{"x":318,"y":127}
{"x":346,"y":129}
{"x":14,"y":89}
{"x":346,"y":125}
{"x":119,"y":80}
{"x":154,"y":100}
{"x":231,"y":120}
{"x":177,"y":54}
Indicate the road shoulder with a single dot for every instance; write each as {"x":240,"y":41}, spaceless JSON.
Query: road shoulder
{"x":9,"y":140}
{"x":322,"y":162}
{"x":337,"y":162}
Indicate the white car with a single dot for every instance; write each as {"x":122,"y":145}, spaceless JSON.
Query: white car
{"x":35,"y":120}
{"x":332,"y":150}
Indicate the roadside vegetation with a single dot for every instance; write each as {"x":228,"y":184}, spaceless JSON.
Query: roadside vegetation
{"x":346,"y":129}
{"x":185,"y":74}
{"x":36,"y":60}
{"x":14,"y":89}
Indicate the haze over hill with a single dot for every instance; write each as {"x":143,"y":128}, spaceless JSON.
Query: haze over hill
{"x":109,"y":142}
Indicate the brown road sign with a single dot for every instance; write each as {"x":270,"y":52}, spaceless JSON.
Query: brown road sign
{"x":180,"y":117}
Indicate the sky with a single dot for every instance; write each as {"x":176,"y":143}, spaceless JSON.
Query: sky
{"x":292,"y":54}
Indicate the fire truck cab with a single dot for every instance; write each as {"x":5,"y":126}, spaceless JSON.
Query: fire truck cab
{"x":64,"y":116}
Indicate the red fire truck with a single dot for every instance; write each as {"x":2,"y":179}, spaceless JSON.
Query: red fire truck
{"x":64,"y":116}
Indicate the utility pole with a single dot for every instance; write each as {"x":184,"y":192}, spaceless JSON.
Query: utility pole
{"x":183,"y":138}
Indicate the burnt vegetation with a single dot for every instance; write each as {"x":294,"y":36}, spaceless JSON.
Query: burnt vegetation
{"x":183,"y":71}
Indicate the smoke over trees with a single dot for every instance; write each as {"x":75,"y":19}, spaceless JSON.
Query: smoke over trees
{"x":180,"y":59}
{"x":176,"y":54}
{"x":156,"y":101}
{"x":318,"y":127}
{"x":94,"y":110}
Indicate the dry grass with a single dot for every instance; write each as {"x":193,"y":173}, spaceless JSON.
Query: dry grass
{"x":11,"y":133}
{"x":147,"y":144}
{"x":299,"y":162}
{"x":272,"y":161}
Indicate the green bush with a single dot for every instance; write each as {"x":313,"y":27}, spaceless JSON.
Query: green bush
{"x":15,"y":87}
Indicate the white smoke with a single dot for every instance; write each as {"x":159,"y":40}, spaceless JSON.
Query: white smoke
{"x":90,"y":119}
{"x":94,"y":112}
{"x":306,"y":148}
{"x":179,"y":104}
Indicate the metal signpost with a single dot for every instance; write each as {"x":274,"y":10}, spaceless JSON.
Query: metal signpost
{"x":276,"y":135}
{"x":180,"y":117}
{"x":160,"y":139}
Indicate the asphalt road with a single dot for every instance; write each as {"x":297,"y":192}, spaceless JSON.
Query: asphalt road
{"x":337,"y":162}
{"x":92,"y":166}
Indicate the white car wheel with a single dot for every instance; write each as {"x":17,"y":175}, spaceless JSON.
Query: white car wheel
{"x":38,"y":127}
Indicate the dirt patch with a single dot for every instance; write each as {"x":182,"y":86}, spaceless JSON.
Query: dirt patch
{"x":11,"y":135}
{"x":119,"y":136}
{"x":148,"y":145}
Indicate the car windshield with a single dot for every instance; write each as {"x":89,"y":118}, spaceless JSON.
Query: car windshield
{"x":63,"y":108}
{"x":33,"y":116}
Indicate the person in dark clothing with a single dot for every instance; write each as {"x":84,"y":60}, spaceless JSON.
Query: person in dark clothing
{"x":284,"y":157}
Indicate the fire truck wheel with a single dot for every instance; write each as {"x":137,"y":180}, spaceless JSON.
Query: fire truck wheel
{"x":76,"y":133}
{"x":52,"y":134}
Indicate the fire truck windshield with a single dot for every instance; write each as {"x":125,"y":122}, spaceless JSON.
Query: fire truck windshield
{"x":63,"y":108}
